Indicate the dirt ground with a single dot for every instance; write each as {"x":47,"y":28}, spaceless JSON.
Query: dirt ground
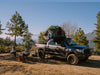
{"x":51,"y":66}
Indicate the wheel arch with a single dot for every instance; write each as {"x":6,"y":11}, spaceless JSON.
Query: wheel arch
{"x":70,"y":53}
{"x":40,"y":49}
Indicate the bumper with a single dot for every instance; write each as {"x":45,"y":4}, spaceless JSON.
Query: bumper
{"x":83,"y":56}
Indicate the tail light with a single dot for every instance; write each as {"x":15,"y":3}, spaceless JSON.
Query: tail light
{"x":35,"y":45}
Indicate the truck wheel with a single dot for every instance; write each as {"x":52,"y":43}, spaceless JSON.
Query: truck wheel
{"x":72,"y":59}
{"x":41,"y":54}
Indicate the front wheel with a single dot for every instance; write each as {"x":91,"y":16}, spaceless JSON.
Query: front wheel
{"x":72,"y":59}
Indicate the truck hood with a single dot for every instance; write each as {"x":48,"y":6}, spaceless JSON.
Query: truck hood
{"x":78,"y":47}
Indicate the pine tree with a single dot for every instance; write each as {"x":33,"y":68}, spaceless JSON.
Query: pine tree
{"x":0,"y":34}
{"x":1,"y":28}
{"x":27,"y":40}
{"x":41,"y":39}
{"x":16,"y":26}
{"x":80,"y":37}
{"x":96,"y":40}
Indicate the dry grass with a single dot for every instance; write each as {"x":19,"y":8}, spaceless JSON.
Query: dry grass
{"x":32,"y":66}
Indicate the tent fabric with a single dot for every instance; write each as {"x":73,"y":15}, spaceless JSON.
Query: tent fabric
{"x":57,"y":35}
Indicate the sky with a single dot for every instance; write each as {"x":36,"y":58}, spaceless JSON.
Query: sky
{"x":40,"y":14}
{"x":52,"y":0}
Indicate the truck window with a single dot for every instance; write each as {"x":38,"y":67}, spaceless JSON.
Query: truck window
{"x":51,"y":43}
{"x":70,"y":42}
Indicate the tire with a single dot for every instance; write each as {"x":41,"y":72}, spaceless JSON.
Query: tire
{"x":41,"y":54}
{"x":72,"y":59}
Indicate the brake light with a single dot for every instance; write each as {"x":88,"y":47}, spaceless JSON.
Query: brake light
{"x":35,"y":45}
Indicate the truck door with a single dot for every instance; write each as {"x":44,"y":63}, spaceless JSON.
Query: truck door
{"x":51,"y":47}
{"x":60,"y":49}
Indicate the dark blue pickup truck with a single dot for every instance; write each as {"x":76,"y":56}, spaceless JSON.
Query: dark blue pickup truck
{"x":67,"y":49}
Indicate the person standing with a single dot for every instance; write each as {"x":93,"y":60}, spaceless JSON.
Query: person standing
{"x":50,"y":35}
{"x":13,"y":51}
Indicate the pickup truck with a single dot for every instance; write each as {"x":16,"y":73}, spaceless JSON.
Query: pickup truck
{"x":67,"y":49}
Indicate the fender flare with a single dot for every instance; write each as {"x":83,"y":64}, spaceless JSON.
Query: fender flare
{"x":71,"y":52}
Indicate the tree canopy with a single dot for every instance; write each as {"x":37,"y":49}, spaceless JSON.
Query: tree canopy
{"x":27,"y":40}
{"x":80,"y":37}
{"x":1,"y":28}
{"x":16,"y":26}
{"x":97,"y":38}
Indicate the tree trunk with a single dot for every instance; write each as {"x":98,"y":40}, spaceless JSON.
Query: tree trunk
{"x":15,"y":41}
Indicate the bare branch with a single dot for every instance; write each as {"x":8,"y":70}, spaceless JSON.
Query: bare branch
{"x":69,"y":29}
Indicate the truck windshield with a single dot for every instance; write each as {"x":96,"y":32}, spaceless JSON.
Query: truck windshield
{"x":51,"y":43}
{"x":70,"y":42}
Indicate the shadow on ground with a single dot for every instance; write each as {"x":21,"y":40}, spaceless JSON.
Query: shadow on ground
{"x":54,"y":60}
{"x":90,"y":63}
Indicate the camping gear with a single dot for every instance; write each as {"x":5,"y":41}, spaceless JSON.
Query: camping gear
{"x":56,"y":34}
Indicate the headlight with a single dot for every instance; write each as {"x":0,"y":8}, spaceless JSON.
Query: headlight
{"x":79,"y":50}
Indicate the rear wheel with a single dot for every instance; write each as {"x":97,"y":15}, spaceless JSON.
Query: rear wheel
{"x":72,"y":59}
{"x":41,"y":54}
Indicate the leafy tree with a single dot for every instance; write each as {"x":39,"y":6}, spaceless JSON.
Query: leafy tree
{"x":80,"y":37}
{"x":27,"y":40}
{"x":52,"y":29}
{"x":16,"y":26}
{"x":96,"y":40}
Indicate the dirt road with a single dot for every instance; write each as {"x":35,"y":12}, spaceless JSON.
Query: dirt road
{"x":32,"y":66}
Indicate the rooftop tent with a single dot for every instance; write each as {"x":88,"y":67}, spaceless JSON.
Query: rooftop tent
{"x":57,"y":33}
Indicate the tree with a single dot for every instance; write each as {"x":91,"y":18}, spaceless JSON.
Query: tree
{"x":27,"y":40}
{"x":8,"y":41}
{"x":16,"y":26}
{"x":1,"y":28}
{"x":1,"y":40}
{"x":80,"y":37}
{"x":69,"y":29}
{"x":96,"y":40}
{"x":5,"y":44}
{"x":41,"y":39}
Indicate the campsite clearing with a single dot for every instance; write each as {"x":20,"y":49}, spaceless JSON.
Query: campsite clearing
{"x":52,"y":66}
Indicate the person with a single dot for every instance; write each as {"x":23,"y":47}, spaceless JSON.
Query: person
{"x":50,"y":35}
{"x":24,"y":55}
{"x":27,"y":52}
{"x":13,"y":51}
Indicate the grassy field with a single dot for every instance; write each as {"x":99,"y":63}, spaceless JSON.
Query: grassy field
{"x":56,"y":66}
